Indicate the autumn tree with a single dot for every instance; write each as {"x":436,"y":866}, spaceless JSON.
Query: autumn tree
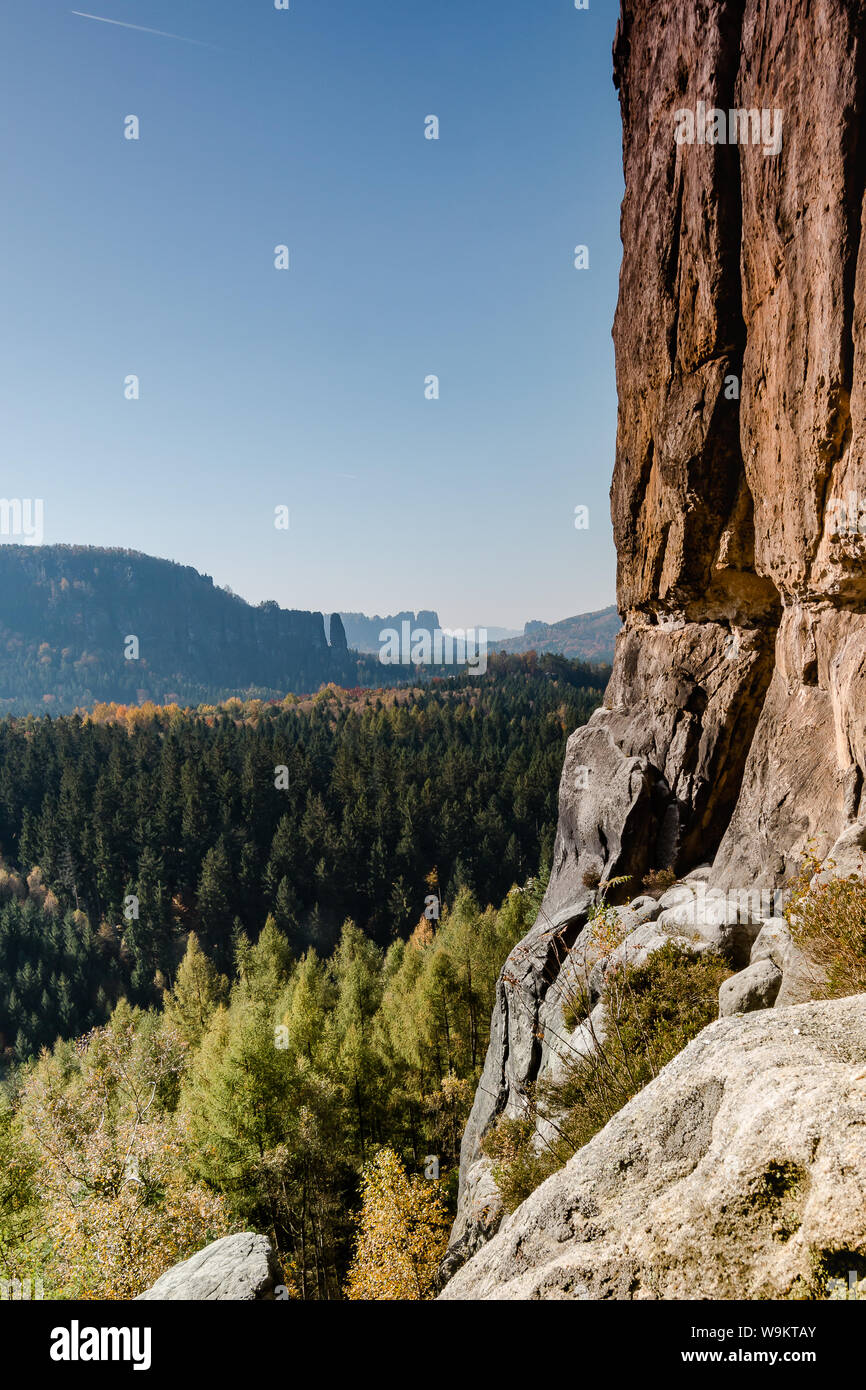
{"x":267,"y":1131}
{"x":402,"y":1233}
{"x":116,"y":1198}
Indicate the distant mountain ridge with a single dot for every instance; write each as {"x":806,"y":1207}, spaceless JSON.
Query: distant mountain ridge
{"x":67,"y":614}
{"x":586,"y":637}
{"x":82,"y":624}
{"x":362,"y":633}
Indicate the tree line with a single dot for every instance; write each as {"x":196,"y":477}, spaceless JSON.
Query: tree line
{"x":149,"y":823}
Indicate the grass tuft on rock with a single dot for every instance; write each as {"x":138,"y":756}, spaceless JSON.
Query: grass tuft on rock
{"x":827,"y":920}
{"x":651,"y":1012}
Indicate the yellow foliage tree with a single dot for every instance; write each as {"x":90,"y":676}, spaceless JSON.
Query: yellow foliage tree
{"x":117,"y":1203}
{"x":402,"y":1233}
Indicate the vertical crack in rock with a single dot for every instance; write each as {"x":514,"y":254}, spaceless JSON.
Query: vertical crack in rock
{"x":803,"y":429}
{"x":840,"y":433}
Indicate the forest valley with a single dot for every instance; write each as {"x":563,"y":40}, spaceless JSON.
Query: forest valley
{"x":233,"y":1000}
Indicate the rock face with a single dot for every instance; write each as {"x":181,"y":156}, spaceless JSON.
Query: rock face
{"x":237,"y":1267}
{"x":559,"y":960}
{"x":739,"y":1172}
{"x":740,"y":677}
{"x":734,"y":726}
{"x":530,"y":987}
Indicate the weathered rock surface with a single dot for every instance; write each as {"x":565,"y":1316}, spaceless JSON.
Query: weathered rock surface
{"x":739,"y":1172}
{"x":652,"y":778}
{"x":547,"y":974}
{"x":532,"y":989}
{"x":756,"y":987}
{"x":734,"y":725}
{"x":739,"y":685}
{"x":237,"y":1267}
{"x":479,"y":1216}
{"x":801,"y":979}
{"x":846,"y":856}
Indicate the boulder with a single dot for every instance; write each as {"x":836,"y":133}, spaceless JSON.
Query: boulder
{"x":718,"y":921}
{"x":774,"y":942}
{"x":637,"y":948}
{"x":756,"y":987}
{"x":637,"y":912}
{"x":801,"y":979}
{"x":846,"y":856}
{"x":738,"y":1173}
{"x":240,"y":1267}
{"x":699,"y":875}
{"x":680,"y":895}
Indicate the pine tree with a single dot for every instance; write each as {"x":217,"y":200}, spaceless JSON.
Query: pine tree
{"x":264,"y":967}
{"x":198,"y":992}
{"x":215,"y":897}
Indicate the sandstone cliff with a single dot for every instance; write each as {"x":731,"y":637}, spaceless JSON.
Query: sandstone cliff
{"x":733,"y":728}
{"x":739,"y":677}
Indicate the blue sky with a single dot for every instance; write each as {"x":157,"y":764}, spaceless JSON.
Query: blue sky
{"x":305,"y":388}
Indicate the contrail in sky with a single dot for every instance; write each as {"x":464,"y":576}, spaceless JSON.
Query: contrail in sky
{"x":140,"y":27}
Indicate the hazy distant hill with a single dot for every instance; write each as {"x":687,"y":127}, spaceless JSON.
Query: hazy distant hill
{"x":67,"y":614}
{"x":362,"y":633}
{"x":588,"y":637}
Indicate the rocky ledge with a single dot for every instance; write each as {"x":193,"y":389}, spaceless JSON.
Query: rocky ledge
{"x":530,"y":1039}
{"x":739,"y":1172}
